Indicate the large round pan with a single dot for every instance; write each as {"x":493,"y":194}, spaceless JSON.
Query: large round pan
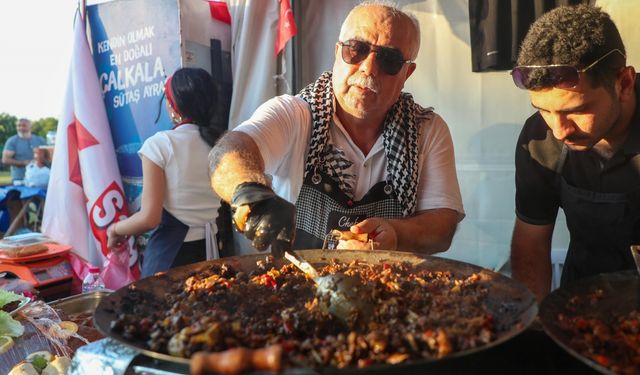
{"x":621,"y":295}
{"x":513,"y":306}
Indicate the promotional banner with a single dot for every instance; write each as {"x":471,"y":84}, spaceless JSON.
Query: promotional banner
{"x":136,"y":45}
{"x":85,"y":192}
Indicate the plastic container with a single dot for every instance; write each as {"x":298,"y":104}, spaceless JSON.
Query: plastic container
{"x":92,"y":281}
{"x":51,"y":138}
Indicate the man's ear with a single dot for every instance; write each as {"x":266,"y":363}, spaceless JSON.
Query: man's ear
{"x":410,"y":70}
{"x":625,"y":85}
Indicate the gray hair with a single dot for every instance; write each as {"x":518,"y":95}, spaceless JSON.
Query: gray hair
{"x":23,"y":120}
{"x":394,"y":9}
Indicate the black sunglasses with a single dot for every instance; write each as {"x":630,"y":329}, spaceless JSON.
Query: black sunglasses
{"x":390,"y":60}
{"x":561,"y":76}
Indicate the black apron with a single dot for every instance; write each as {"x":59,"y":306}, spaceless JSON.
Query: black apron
{"x":324,"y":202}
{"x":163,"y":248}
{"x":322,"y":206}
{"x":602,"y":227}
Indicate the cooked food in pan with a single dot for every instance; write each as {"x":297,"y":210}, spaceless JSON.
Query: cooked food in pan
{"x":613,"y":343}
{"x":418,"y":314}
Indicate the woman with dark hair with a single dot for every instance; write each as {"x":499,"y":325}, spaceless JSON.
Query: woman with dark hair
{"x":176,"y":195}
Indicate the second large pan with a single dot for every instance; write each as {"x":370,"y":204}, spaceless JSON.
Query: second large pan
{"x":512,"y":304}
{"x":620,"y":294}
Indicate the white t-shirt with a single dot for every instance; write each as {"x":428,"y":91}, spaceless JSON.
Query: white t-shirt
{"x":183,"y":156}
{"x":35,"y":176}
{"x":281,"y":128}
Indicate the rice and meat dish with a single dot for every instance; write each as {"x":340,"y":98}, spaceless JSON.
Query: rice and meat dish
{"x":418,"y":314}
{"x":613,"y":342}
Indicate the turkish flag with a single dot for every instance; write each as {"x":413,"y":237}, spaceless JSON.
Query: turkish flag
{"x":220,"y":11}
{"x":85,"y":192}
{"x":286,"y":26}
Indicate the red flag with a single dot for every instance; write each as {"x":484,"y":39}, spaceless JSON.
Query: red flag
{"x":286,"y":26}
{"x":220,"y":11}
{"x":85,"y":193}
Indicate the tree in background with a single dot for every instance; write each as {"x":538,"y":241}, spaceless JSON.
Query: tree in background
{"x":40,"y":127}
{"x":7,"y":127}
{"x":44,"y":125}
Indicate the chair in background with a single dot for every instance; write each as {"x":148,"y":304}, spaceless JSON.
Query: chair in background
{"x":15,"y":213}
{"x":558,"y":256}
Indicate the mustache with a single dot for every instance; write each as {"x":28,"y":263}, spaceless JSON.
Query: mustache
{"x":363,"y":81}
{"x":573,"y":138}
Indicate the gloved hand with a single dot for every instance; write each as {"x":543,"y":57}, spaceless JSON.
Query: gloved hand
{"x":263,"y":217}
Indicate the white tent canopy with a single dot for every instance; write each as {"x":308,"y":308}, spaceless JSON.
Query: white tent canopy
{"x":484,"y":111}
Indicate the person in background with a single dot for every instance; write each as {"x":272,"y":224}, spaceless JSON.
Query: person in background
{"x":579,"y":151}
{"x":176,"y":197}
{"x":18,"y":149}
{"x":351,"y":151}
{"x":37,"y":171}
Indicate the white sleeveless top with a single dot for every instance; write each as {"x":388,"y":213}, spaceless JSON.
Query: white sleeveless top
{"x":183,"y":155}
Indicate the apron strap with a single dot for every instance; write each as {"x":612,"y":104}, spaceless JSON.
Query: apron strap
{"x":210,"y":241}
{"x":562,"y":158}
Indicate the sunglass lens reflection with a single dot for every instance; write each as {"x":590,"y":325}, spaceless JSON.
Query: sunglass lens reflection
{"x":388,"y":59}
{"x":562,"y":77}
{"x":354,"y":52}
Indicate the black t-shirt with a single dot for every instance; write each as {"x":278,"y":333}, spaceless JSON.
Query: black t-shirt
{"x":537,"y":159}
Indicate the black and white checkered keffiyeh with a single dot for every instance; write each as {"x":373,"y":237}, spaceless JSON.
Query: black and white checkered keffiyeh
{"x":401,"y":132}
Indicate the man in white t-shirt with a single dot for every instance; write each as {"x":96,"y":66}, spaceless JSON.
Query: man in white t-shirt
{"x":37,"y":172}
{"x":351,"y":151}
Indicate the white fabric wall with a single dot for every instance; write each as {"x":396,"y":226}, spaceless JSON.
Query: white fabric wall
{"x":254,"y":64}
{"x":626,"y":14}
{"x":484,"y":110}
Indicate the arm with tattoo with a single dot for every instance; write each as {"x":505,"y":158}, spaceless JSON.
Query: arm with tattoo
{"x":235,"y":159}
{"x":237,"y":176}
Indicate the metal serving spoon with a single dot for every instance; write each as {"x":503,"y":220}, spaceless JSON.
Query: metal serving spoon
{"x":345,"y":302}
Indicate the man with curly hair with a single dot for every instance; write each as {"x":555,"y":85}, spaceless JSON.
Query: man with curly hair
{"x":580,"y":151}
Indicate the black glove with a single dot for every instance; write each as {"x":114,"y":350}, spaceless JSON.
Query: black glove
{"x":270,"y":220}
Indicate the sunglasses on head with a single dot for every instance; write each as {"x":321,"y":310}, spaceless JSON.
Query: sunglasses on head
{"x":561,"y":76}
{"x":389,"y":60}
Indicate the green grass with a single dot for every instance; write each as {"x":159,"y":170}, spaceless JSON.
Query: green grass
{"x":5,"y":178}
